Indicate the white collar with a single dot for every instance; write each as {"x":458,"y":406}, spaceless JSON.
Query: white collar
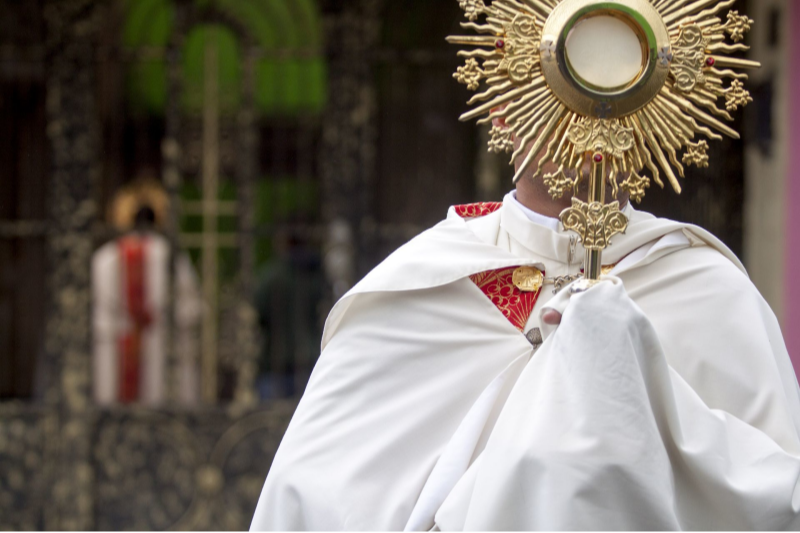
{"x":548,"y":222}
{"x":544,"y":236}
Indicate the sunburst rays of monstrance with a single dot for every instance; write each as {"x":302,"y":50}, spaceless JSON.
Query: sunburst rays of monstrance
{"x":628,"y":108}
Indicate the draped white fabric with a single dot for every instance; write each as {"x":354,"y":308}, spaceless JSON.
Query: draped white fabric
{"x":665,"y":400}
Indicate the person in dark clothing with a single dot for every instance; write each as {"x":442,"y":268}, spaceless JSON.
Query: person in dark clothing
{"x":288,"y":298}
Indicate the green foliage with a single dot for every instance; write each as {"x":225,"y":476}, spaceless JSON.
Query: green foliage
{"x":149,"y":25}
{"x":285,"y":84}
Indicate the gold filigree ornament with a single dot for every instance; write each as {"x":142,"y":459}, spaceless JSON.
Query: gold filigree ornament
{"x":736,"y":96}
{"x":636,"y":186}
{"x":738,"y":25}
{"x":470,"y":75}
{"x":501,"y":140}
{"x":559,"y":183}
{"x":597,"y":135}
{"x":472,"y":8}
{"x":595,"y":222}
{"x":697,"y":154}
{"x":689,"y":58}
{"x":664,"y":76}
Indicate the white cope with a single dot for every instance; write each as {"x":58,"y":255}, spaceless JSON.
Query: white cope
{"x":664,"y":400}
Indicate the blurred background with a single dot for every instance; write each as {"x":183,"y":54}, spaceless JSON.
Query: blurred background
{"x":187,"y":186}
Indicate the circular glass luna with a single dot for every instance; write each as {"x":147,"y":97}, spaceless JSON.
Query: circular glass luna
{"x":603,"y":59}
{"x":605,"y":53}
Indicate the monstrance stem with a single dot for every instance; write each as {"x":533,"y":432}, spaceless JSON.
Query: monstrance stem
{"x":593,"y":263}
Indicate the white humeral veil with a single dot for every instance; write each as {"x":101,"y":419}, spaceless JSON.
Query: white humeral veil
{"x":665,"y":400}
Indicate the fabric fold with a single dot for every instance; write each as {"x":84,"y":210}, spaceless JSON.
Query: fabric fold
{"x":463,"y":447}
{"x":665,"y":400}
{"x":619,"y":441}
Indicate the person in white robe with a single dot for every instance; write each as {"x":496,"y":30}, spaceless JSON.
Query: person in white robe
{"x":130,"y":305}
{"x":661,"y":399}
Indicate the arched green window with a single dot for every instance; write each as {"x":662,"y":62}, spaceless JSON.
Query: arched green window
{"x":290,"y":76}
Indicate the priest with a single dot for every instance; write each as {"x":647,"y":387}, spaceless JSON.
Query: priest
{"x":130,"y":304}
{"x":463,"y":386}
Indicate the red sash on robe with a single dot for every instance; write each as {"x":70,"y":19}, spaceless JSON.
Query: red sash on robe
{"x":134,"y":286}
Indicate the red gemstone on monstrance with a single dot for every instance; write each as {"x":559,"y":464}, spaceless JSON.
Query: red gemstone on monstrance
{"x":500,"y":44}
{"x":598,"y":158}
{"x":711,"y":61}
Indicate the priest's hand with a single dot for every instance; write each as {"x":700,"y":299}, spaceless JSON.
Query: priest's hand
{"x":551,"y":317}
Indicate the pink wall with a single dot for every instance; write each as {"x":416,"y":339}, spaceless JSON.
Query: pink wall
{"x":792,"y":312}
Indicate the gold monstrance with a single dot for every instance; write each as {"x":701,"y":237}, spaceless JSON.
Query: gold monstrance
{"x":626,"y":83}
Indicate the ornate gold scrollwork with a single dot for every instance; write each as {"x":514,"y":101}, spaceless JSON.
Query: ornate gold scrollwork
{"x":689,"y":56}
{"x":521,"y":49}
{"x":517,"y":54}
{"x":598,"y":135}
{"x":595,"y":223}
